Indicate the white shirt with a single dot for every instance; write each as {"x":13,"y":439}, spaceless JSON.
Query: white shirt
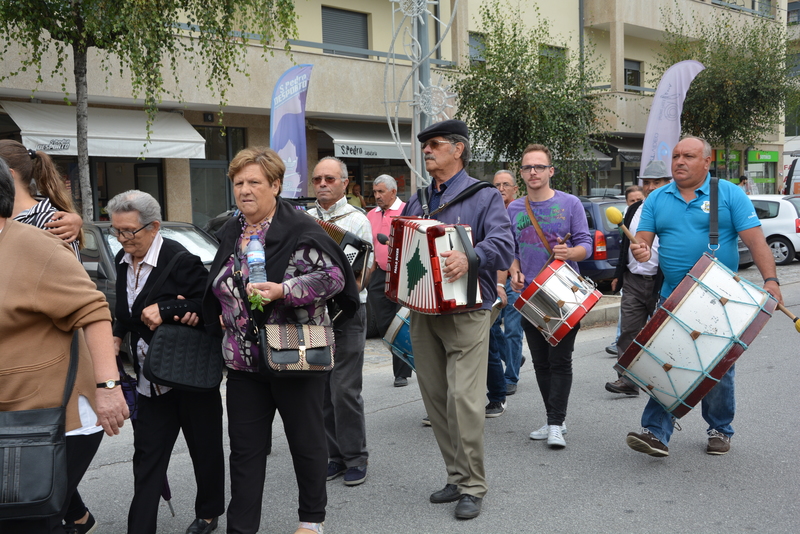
{"x":649,"y":267}
{"x":353,"y":220}
{"x":135,"y":282}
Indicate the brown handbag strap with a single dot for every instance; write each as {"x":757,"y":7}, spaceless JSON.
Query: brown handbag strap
{"x":536,"y":226}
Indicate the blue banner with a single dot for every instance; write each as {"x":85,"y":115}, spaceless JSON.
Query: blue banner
{"x":288,"y":128}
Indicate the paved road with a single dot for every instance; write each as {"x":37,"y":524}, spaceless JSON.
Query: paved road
{"x":597,"y":484}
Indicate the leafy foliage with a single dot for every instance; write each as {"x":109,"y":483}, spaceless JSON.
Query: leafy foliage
{"x":148,"y":38}
{"x":527,"y":91}
{"x":741,"y":95}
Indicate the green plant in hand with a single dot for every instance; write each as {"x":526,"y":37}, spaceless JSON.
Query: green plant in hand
{"x":257,"y":301}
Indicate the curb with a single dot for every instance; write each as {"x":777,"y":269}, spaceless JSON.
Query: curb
{"x":606,"y":312}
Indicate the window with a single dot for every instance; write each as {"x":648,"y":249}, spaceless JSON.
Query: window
{"x":759,"y":7}
{"x":345,"y":28}
{"x":793,"y":15}
{"x":552,"y":58}
{"x":476,"y":46}
{"x":210,"y":188}
{"x":633,"y":75}
{"x":765,"y":209}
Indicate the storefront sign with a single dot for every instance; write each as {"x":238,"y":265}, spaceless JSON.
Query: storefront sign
{"x":759,"y":156}
{"x":733,"y":155}
{"x":372,"y":151}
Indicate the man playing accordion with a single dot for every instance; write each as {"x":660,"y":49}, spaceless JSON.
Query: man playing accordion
{"x":451,"y":351}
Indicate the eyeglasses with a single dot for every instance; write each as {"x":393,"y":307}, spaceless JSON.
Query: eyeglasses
{"x":127,"y":234}
{"x":328,"y":179}
{"x":434,"y":143}
{"x":504,"y":186}
{"x":526,"y":169}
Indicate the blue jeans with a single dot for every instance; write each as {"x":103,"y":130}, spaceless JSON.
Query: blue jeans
{"x":718,"y":409}
{"x":495,"y":381}
{"x":512,"y":325}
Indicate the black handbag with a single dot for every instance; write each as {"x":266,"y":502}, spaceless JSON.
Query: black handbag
{"x":181,"y":356}
{"x":33,"y":456}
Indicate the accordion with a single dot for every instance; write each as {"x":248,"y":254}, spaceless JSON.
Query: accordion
{"x":356,"y":249}
{"x":415,"y":268}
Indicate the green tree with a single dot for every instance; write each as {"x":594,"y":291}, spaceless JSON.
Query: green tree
{"x":742,"y":94}
{"x":149,"y":38}
{"x":525,"y":90}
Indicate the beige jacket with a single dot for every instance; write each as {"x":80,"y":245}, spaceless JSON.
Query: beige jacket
{"x":44,"y":295}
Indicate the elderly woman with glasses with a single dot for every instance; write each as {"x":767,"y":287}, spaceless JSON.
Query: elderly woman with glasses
{"x":163,"y":412}
{"x":305,"y":268}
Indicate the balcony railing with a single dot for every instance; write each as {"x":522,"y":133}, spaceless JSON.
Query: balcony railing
{"x":762,"y":8}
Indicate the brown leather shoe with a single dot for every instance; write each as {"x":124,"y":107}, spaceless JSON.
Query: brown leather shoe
{"x":620,"y":386}
{"x":718,"y":443}
{"x":646,"y":443}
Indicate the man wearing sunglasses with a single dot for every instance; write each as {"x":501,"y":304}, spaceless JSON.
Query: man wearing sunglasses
{"x":451,"y":351}
{"x":345,"y":425}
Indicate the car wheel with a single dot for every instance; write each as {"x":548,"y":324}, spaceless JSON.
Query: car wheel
{"x":782,"y":250}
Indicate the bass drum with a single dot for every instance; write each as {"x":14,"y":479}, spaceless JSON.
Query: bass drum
{"x":398,"y":337}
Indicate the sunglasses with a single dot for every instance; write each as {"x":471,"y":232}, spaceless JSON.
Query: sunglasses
{"x":328,"y":179}
{"x":435,"y":143}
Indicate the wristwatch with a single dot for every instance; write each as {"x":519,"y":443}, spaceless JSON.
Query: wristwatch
{"x":772,"y":279}
{"x":108,"y":384}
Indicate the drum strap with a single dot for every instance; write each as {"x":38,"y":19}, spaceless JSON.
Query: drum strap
{"x":713,"y":219}
{"x":536,"y":227}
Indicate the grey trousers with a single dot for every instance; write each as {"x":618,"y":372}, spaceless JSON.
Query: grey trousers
{"x":637,"y":304}
{"x":345,"y":427}
{"x":451,"y":353}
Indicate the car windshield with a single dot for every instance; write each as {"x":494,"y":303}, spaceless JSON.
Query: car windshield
{"x":195,"y":242}
{"x":795,"y":202}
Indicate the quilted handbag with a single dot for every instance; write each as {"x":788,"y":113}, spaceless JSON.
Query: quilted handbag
{"x":184,"y":358}
{"x":33,"y":456}
{"x":294,"y":350}
{"x":181,"y":356}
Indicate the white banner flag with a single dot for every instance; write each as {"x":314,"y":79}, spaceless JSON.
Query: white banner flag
{"x":664,"y":123}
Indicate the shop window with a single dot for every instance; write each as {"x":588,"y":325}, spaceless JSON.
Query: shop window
{"x":210,"y":188}
{"x":345,"y":28}
{"x":633,"y":76}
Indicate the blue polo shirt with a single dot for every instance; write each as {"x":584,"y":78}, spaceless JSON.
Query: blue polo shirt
{"x":682,"y":228}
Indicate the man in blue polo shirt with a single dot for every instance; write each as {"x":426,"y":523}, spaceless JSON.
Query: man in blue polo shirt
{"x":678,"y":214}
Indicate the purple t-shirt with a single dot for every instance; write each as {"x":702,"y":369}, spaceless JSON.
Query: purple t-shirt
{"x":560,"y":215}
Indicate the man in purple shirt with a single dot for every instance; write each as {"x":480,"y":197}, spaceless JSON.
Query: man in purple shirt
{"x":451,"y":351}
{"x":557,"y":215}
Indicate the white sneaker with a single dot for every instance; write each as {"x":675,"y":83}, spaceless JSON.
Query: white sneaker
{"x":555,"y":439}
{"x":544,"y":432}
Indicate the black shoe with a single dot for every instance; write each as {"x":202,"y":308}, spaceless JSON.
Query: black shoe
{"x":620,"y":386}
{"x":400,"y":381}
{"x":511,"y":389}
{"x":82,"y":528}
{"x":201,"y":526}
{"x":426,"y":421}
{"x":612,"y":349}
{"x":522,"y":362}
{"x":468,"y":507}
{"x":449,"y":493}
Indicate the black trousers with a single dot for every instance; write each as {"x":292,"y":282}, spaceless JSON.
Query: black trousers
{"x":553,"y":366}
{"x":252,"y":400}
{"x":160,"y":419}
{"x":384,"y":311}
{"x":80,"y":451}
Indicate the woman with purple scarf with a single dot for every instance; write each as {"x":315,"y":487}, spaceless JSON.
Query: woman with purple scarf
{"x":305,"y":268}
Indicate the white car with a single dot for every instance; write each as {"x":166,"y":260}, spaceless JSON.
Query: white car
{"x":780,"y":222}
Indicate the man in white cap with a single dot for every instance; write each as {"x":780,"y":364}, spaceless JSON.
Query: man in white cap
{"x":642,"y":281}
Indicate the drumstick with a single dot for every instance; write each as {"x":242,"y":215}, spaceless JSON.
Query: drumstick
{"x":791,"y":316}
{"x":615,"y":216}
{"x":561,"y":241}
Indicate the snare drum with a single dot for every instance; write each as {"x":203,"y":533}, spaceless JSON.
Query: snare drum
{"x":557,"y":299}
{"x":696,"y":336}
{"x":398,"y":337}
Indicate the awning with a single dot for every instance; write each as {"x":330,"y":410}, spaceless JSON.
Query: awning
{"x":112,"y":132}
{"x":627,"y":149}
{"x":365,"y":139}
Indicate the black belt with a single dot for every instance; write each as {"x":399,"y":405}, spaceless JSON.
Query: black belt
{"x":644,"y":276}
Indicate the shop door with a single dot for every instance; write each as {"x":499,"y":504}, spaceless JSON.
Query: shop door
{"x":148,"y":178}
{"x":211,"y":190}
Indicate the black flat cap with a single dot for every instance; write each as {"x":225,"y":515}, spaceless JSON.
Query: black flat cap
{"x":448,"y":127}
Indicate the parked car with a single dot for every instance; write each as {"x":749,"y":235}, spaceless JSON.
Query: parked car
{"x":780,"y":222}
{"x":602,"y":262}
{"x":100,"y":248}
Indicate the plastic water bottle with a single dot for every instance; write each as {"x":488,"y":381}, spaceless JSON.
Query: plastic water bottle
{"x":256,"y":261}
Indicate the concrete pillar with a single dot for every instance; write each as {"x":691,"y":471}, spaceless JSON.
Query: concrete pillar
{"x":617,"y":62}
{"x":459,"y":31}
{"x":178,"y":190}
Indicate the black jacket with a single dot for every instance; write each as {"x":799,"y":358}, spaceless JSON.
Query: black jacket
{"x":187,"y":278}
{"x":289,"y":229}
{"x":622,"y":264}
